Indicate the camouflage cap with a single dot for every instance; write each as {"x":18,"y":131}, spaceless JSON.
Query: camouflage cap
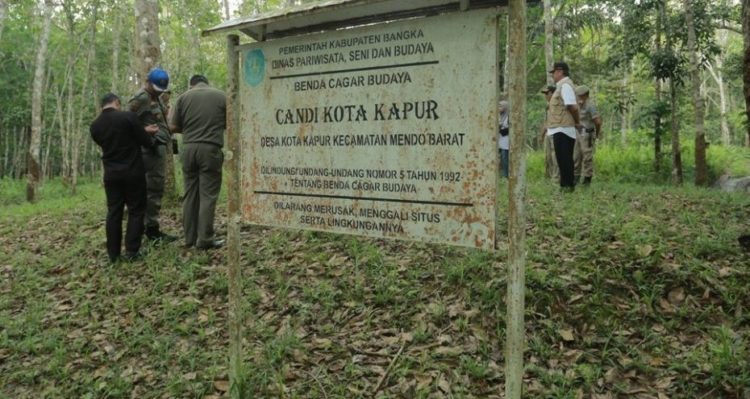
{"x":581,"y":90}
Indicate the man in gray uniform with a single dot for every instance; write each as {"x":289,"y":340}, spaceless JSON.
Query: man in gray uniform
{"x":586,"y":141}
{"x":150,"y":110}
{"x":200,"y":115}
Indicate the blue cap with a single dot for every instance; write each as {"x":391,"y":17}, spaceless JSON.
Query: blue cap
{"x":159,"y":79}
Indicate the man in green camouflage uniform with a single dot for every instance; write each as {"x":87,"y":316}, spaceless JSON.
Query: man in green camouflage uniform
{"x":586,"y":140}
{"x":146,"y":103}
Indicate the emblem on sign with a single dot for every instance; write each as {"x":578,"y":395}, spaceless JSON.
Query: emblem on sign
{"x":255,"y":67}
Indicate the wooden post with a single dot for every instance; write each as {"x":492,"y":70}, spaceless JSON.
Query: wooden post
{"x":515,"y":338}
{"x":235,"y":317}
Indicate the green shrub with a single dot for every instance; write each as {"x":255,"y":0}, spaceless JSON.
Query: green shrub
{"x":635,"y":164}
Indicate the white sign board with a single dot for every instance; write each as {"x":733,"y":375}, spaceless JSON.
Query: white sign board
{"x":386,"y":130}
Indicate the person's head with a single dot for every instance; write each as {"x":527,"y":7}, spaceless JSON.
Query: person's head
{"x":548,"y":90}
{"x":110,"y":100}
{"x":502,"y":106}
{"x":559,"y":71}
{"x":195,"y":79}
{"x":582,"y":92}
{"x":157,"y":80}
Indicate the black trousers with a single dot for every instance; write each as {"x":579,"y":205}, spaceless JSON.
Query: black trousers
{"x":129,"y":191}
{"x":564,"y":146}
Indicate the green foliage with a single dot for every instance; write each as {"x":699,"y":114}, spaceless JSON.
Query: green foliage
{"x":634,"y":164}
{"x":666,"y":64}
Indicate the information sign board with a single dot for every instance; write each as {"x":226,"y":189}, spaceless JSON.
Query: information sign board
{"x":386,"y":130}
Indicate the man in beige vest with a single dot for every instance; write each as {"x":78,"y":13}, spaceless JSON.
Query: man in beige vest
{"x":563,"y":123}
{"x":586,"y":140}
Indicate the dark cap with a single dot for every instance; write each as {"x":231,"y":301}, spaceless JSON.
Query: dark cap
{"x":560,"y":66}
{"x":549,"y":89}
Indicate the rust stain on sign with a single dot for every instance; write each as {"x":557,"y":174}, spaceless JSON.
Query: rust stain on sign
{"x":385,"y":130}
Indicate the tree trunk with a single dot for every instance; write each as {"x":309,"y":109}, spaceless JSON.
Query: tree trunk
{"x":115,"y":49}
{"x":33,"y":173}
{"x":47,"y":172}
{"x":701,"y":169}
{"x":226,"y":9}
{"x":746,"y":64}
{"x":3,"y":14}
{"x":78,"y":130}
{"x":6,"y":154}
{"x":657,"y":99}
{"x":515,"y":332}
{"x":19,"y":152}
{"x":147,"y":28}
{"x":624,"y":107}
{"x":718,"y":76}
{"x":674,"y":125}
{"x":149,"y":54}
{"x":675,"y":134}
{"x":549,"y":58}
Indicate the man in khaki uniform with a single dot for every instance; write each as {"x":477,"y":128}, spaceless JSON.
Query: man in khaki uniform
{"x":587,"y":136}
{"x":150,"y":109}
{"x":200,"y":115}
{"x":550,"y":163}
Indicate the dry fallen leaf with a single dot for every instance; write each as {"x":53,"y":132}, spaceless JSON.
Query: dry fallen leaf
{"x":644,"y":250}
{"x":448,"y":351}
{"x":666,"y":306}
{"x":444,"y":385}
{"x":676,"y":296}
{"x":222,"y":385}
{"x":423,"y":380}
{"x":567,"y":335}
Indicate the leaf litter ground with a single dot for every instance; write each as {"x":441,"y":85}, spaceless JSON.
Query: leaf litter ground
{"x":632,"y":292}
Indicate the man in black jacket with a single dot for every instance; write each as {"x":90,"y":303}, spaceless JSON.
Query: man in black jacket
{"x":121,"y":135}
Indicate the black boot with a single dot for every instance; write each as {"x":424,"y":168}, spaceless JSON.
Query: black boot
{"x":154,"y":234}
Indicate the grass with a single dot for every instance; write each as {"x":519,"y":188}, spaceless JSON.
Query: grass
{"x":631,"y":290}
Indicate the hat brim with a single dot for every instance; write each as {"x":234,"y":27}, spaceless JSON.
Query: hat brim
{"x":158,"y":88}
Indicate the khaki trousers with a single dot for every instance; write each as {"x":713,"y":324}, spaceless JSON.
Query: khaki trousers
{"x":583,"y":154}
{"x":201,"y":168}
{"x":550,"y":162}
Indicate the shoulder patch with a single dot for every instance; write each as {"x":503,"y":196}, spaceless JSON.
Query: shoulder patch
{"x":138,"y":101}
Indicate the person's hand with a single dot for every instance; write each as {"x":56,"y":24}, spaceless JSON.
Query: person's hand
{"x":152,"y":128}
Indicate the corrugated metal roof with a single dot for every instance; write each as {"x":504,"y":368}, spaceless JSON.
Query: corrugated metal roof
{"x":333,"y":14}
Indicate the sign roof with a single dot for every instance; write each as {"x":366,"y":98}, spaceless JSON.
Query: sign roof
{"x":333,"y":14}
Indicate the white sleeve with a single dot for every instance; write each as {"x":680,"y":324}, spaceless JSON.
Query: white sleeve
{"x":568,"y":95}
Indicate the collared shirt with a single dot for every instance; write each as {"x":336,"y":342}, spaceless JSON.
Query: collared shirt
{"x":588,"y":114}
{"x":200,"y":114}
{"x":503,"y":142}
